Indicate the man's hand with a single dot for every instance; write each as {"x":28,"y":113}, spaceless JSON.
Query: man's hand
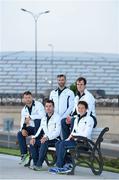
{"x":32,"y":141}
{"x":43,"y":139}
{"x":24,"y":133}
{"x":68,"y":120}
{"x":69,"y":138}
{"x":27,"y":120}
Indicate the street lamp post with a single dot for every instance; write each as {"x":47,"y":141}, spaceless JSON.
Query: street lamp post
{"x":52,"y":59}
{"x":35,"y":17}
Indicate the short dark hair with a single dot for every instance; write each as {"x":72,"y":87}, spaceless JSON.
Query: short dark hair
{"x":83,"y":103}
{"x":49,"y":101}
{"x":61,"y":75}
{"x":82,"y":79}
{"x":27,"y":93}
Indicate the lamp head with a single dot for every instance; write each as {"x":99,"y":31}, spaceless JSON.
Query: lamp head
{"x":23,"y":9}
{"x":47,"y":11}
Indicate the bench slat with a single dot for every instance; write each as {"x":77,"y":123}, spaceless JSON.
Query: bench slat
{"x":95,"y":133}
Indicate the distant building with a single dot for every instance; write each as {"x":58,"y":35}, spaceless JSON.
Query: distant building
{"x":17,"y":71}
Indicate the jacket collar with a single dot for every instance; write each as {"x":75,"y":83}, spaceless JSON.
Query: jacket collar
{"x":33,"y":104}
{"x":80,"y":117}
{"x":79,"y":95}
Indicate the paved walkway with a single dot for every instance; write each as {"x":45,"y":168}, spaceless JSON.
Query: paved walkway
{"x":10,"y":169}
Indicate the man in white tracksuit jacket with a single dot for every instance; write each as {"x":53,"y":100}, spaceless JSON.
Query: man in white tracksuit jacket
{"x":51,"y":126}
{"x":83,"y":126}
{"x":31,"y":115}
{"x":63,"y":98}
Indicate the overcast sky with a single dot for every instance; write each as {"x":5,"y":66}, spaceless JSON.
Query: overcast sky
{"x":71,"y":25}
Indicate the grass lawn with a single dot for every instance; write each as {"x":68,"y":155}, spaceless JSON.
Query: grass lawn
{"x":10,"y":151}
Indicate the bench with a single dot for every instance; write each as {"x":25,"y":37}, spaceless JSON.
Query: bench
{"x":87,"y":152}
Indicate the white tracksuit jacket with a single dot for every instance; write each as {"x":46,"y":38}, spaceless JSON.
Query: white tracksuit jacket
{"x":38,"y":112}
{"x":84,"y":127}
{"x":52,"y":129}
{"x":64,"y":103}
{"x":88,"y":97}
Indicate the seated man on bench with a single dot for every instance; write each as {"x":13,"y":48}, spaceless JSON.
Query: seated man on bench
{"x":83,"y":126}
{"x":31,"y":116}
{"x":51,"y":126}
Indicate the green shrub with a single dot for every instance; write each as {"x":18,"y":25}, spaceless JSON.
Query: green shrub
{"x":73,"y":88}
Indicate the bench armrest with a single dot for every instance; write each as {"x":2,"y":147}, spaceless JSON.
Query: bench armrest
{"x":89,"y":143}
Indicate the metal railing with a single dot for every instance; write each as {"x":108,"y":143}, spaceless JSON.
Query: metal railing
{"x":15,"y":99}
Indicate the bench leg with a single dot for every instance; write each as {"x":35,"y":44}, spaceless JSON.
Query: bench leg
{"x":97,"y":163}
{"x":30,"y":157}
{"x":28,"y":164}
{"x":52,"y":160}
{"x":73,"y":168}
{"x":72,"y":171}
